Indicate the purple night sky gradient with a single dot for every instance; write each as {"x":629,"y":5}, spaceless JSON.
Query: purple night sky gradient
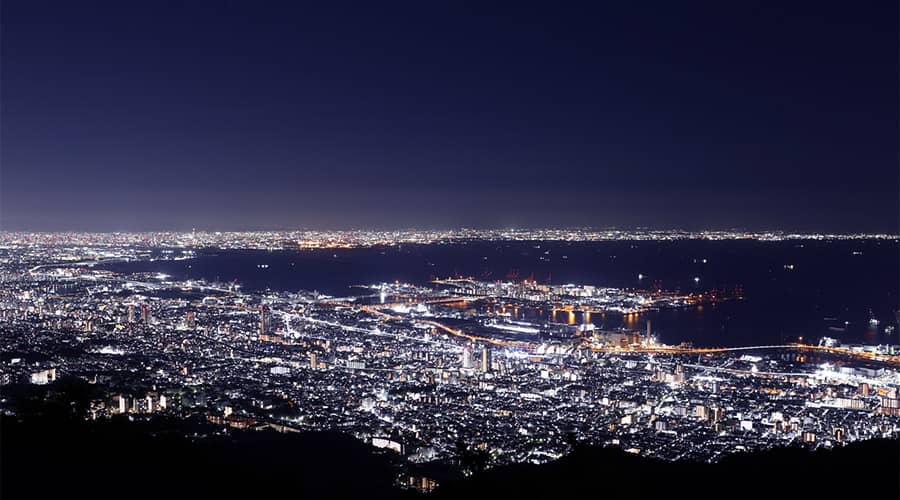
{"x":259,"y":115}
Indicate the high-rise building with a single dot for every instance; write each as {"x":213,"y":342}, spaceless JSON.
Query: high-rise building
{"x":467,"y":358}
{"x":152,"y":401}
{"x":702,"y":412}
{"x":263,"y":320}
{"x":485,"y":359}
{"x":839,"y":434}
{"x":146,"y":315}
{"x":313,"y":361}
{"x":131,"y":313}
{"x":121,"y":403}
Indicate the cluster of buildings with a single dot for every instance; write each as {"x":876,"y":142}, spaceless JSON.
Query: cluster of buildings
{"x":411,"y":380}
{"x":367,"y":238}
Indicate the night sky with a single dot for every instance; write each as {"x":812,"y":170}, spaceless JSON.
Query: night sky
{"x":258,"y":115}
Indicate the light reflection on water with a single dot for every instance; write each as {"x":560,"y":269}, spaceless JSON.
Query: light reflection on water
{"x":830,"y":287}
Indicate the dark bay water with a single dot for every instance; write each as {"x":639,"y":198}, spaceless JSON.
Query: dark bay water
{"x":845,"y":281}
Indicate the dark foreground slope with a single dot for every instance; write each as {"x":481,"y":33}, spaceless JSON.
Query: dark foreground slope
{"x":43,"y":458}
{"x":861,"y":470}
{"x":46,"y":457}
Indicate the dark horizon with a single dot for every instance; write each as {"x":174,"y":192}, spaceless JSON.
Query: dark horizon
{"x":235,"y":116}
